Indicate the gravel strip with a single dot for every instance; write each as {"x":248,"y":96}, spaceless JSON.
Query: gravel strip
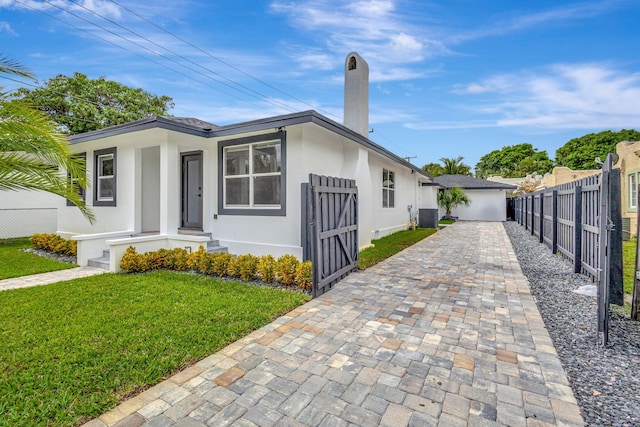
{"x":606,"y":382}
{"x":52,"y":255}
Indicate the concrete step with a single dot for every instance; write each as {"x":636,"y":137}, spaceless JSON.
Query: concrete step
{"x":102,"y":262}
{"x":217,"y":249}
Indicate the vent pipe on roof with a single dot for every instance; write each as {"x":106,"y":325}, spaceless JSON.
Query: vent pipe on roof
{"x":356,"y":94}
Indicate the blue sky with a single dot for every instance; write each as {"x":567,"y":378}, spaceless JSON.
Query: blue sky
{"x":448,"y":78}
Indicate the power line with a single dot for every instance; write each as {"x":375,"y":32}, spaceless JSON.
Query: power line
{"x":243,"y":89}
{"x":130,"y":51}
{"x":219,"y":59}
{"x":139,"y":45}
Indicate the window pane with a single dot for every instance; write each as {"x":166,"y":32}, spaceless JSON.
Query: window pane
{"x":266,"y":190}
{"x":237,"y":161}
{"x":106,"y":165}
{"x":105,"y":191}
{"x":633,"y":191}
{"x":385,"y":198}
{"x":392,"y":199}
{"x":237,"y":191}
{"x":266,"y":158}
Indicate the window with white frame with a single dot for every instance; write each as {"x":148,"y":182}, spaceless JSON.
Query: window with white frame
{"x":104,"y":177}
{"x":633,"y":190}
{"x":252,"y":172}
{"x":388,"y":189}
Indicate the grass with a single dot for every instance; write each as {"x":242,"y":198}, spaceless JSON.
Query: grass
{"x":446,"y":221}
{"x":628,"y":264}
{"x":15,"y":263}
{"x":390,"y":245}
{"x":72,"y":350}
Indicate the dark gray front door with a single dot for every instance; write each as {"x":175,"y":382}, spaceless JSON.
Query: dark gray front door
{"x":192,"y":190}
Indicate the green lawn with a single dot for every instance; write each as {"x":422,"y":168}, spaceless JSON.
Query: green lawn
{"x":16,"y":263}
{"x":72,"y":350}
{"x":628,"y":264}
{"x":446,"y":221}
{"x":391,"y":245}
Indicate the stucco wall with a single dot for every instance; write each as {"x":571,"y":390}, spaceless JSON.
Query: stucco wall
{"x":629,"y":163}
{"x":23,"y":213}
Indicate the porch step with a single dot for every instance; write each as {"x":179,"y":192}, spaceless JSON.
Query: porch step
{"x":213,"y":246}
{"x":102,"y":262}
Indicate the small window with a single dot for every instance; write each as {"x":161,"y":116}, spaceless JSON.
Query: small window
{"x":81,"y":191}
{"x":633,"y":191}
{"x":388,"y":189}
{"x":253,"y":175}
{"x":104,"y":183}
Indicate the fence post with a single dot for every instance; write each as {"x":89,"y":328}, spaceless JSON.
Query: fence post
{"x":533,"y":214}
{"x":635,"y":299}
{"x":554,"y":222}
{"x":577,"y":226}
{"x":541,"y":217}
{"x":616,"y":286}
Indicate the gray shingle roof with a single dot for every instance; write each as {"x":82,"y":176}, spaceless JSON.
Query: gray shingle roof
{"x":470,"y":183}
{"x":191,"y":121}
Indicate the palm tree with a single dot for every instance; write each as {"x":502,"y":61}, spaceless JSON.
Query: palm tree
{"x":454,"y":166}
{"x":33,"y":153}
{"x":451,"y":198}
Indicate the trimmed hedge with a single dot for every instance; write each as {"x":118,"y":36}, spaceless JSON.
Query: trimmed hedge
{"x":286,"y":270}
{"x":54,"y":243}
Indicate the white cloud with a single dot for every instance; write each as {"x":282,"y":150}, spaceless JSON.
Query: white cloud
{"x":564,"y":96}
{"x":387,"y":39}
{"x":6,"y":28}
{"x":103,"y":7}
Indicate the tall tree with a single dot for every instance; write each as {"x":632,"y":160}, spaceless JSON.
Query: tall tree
{"x":454,"y":166}
{"x":449,"y":166}
{"x":514,"y":161}
{"x":33,"y":151}
{"x":580,"y":153}
{"x":78,"y":104}
{"x":451,"y":198}
{"x":433,"y":169}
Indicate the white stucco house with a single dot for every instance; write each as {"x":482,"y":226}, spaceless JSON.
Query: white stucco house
{"x":176,"y":182}
{"x":488,"y":198}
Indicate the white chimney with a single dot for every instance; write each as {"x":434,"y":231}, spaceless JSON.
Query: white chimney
{"x":356,"y":94}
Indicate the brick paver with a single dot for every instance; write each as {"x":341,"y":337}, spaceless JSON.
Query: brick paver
{"x":49,"y":278}
{"x":445,"y":333}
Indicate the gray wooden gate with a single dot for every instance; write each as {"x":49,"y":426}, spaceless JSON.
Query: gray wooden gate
{"x":329,"y":229}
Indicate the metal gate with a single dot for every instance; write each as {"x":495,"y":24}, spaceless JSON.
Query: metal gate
{"x":330,"y":229}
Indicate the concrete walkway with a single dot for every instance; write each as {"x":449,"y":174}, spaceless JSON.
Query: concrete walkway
{"x":445,"y":333}
{"x":49,"y":278}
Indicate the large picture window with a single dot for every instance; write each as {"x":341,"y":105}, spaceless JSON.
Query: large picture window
{"x":388,"y":189}
{"x":104,"y":182}
{"x":252,"y":175}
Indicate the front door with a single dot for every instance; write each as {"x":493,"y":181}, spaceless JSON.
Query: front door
{"x":192,"y":190}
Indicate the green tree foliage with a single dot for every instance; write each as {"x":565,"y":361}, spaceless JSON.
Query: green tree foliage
{"x":451,"y":198}
{"x":78,"y":104}
{"x":33,"y":153}
{"x":454,"y":166}
{"x":433,"y":169}
{"x":580,"y":153}
{"x":449,"y":166}
{"x":514,"y":161}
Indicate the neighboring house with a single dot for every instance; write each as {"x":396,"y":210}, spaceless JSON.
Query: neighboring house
{"x":562,"y":175}
{"x":488,"y":198}
{"x":629,"y":164}
{"x":23,"y":213}
{"x":165,"y":181}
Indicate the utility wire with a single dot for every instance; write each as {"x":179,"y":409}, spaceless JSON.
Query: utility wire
{"x":219,"y":59}
{"x":137,"y":44}
{"x":243,"y":89}
{"x":130,"y":51}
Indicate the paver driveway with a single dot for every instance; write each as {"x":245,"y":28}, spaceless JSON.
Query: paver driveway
{"x":445,"y":333}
